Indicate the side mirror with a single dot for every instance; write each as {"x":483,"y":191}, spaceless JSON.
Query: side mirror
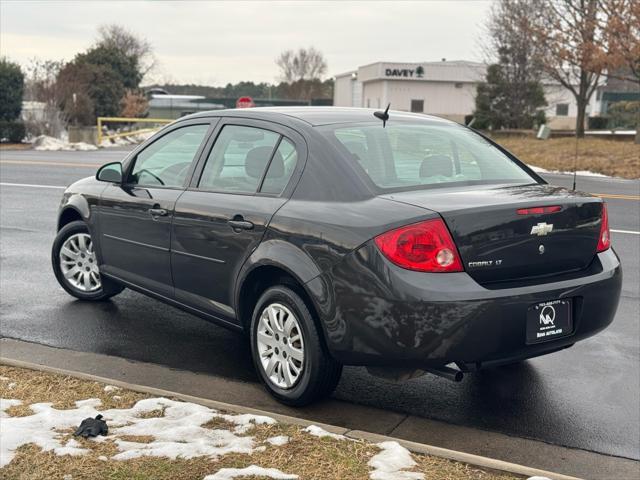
{"x":110,"y":172}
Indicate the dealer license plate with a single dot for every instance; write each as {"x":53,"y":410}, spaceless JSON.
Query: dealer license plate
{"x":549,"y":320}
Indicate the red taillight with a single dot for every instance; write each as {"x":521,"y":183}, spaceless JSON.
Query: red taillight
{"x":604,"y":240}
{"x":425,"y":247}
{"x":538,"y":210}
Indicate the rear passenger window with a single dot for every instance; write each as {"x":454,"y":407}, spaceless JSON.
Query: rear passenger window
{"x":282,"y":165}
{"x":238,"y":159}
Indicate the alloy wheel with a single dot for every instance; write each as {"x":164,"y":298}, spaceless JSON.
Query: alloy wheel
{"x":280,"y":345}
{"x":78,"y":263}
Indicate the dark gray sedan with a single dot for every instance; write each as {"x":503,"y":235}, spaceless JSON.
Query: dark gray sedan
{"x":333,"y":237}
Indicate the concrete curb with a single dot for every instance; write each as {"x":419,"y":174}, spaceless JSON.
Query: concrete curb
{"x":477,"y":460}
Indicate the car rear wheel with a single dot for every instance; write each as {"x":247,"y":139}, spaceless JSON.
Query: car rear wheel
{"x":76,"y":267}
{"x":287,"y":349}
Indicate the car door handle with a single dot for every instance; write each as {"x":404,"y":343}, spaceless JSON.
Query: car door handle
{"x":240,"y":223}
{"x":158,"y":212}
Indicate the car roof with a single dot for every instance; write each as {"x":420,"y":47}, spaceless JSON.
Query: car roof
{"x":315,"y":116}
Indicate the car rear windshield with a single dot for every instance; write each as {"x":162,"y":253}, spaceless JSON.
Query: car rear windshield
{"x":412,"y":156}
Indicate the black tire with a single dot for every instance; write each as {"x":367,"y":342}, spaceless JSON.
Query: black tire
{"x":320,"y":373}
{"x":108,"y":287}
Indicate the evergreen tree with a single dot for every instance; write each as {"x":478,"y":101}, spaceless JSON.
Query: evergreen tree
{"x":11,"y":90}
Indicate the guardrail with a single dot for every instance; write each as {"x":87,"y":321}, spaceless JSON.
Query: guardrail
{"x":102,"y":120}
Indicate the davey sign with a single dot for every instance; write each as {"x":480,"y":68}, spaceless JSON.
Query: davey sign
{"x":417,"y":72}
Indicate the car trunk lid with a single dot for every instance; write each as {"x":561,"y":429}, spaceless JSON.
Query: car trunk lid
{"x":505,"y":233}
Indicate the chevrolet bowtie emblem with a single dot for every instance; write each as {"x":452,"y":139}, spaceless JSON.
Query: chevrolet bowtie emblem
{"x":542,"y":229}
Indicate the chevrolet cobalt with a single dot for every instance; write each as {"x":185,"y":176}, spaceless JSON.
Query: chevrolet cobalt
{"x":331,"y":236}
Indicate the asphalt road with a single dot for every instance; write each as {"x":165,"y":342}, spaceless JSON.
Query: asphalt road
{"x":586,"y":397}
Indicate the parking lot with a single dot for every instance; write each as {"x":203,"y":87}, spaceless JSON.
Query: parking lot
{"x":585,"y":398}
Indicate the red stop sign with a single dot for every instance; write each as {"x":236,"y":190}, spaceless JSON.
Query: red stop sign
{"x":245,"y":102}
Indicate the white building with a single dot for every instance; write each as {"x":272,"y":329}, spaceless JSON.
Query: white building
{"x":446,"y":89}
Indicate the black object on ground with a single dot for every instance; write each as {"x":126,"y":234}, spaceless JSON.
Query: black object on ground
{"x":92,"y":427}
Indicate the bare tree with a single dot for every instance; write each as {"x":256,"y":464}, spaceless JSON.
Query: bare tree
{"x":119,"y":38}
{"x":570,"y":32}
{"x":507,"y":27}
{"x":134,"y":104}
{"x":42,"y":87}
{"x":515,"y":61}
{"x":305,"y":64}
{"x":620,"y":43}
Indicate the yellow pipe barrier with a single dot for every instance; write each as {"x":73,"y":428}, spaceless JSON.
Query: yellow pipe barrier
{"x":101,"y":120}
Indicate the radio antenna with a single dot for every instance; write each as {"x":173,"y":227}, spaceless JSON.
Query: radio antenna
{"x":384,"y":116}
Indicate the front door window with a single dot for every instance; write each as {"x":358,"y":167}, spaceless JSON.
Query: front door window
{"x":166,"y":162}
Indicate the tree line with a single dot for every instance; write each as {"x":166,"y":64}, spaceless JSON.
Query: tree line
{"x":301,"y":73}
{"x":105,"y":80}
{"x":575,"y":44}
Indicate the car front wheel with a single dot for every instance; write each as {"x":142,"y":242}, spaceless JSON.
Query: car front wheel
{"x":287,"y":349}
{"x":76,"y":267}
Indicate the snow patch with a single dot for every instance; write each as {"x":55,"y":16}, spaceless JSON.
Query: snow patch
{"x":247,"y":421}
{"x":127,"y":140}
{"x":583,"y":173}
{"x":538,"y":478}
{"x":391,"y":462}
{"x":72,"y":447}
{"x":44,"y":142}
{"x":12,"y":385}
{"x":111,"y":388}
{"x":251,"y":470}
{"x":321,"y":432}
{"x":588,"y":173}
{"x":179,"y":433}
{"x":538,"y":169}
{"x":4,"y":379}
{"x":279,"y":440}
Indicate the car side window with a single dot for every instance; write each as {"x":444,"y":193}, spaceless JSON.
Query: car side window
{"x":281,"y":168}
{"x":165,"y":162}
{"x":364,"y":150}
{"x":238,"y":159}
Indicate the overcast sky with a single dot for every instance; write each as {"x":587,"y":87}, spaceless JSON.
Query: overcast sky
{"x":213,"y":43}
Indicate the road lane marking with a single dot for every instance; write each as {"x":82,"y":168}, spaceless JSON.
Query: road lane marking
{"x":617,"y":196}
{"x":630,"y":232}
{"x":51,"y":164}
{"x":30,"y":185}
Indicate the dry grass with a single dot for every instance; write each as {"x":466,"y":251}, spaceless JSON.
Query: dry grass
{"x":15,"y":146}
{"x":152,"y":413}
{"x":305,"y":455}
{"x":32,"y":386}
{"x":609,"y":157}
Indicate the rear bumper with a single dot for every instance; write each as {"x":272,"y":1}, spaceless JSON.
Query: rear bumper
{"x":375,"y":313}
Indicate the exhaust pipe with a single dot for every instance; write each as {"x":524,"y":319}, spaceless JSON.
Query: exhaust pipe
{"x":446,"y":372}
